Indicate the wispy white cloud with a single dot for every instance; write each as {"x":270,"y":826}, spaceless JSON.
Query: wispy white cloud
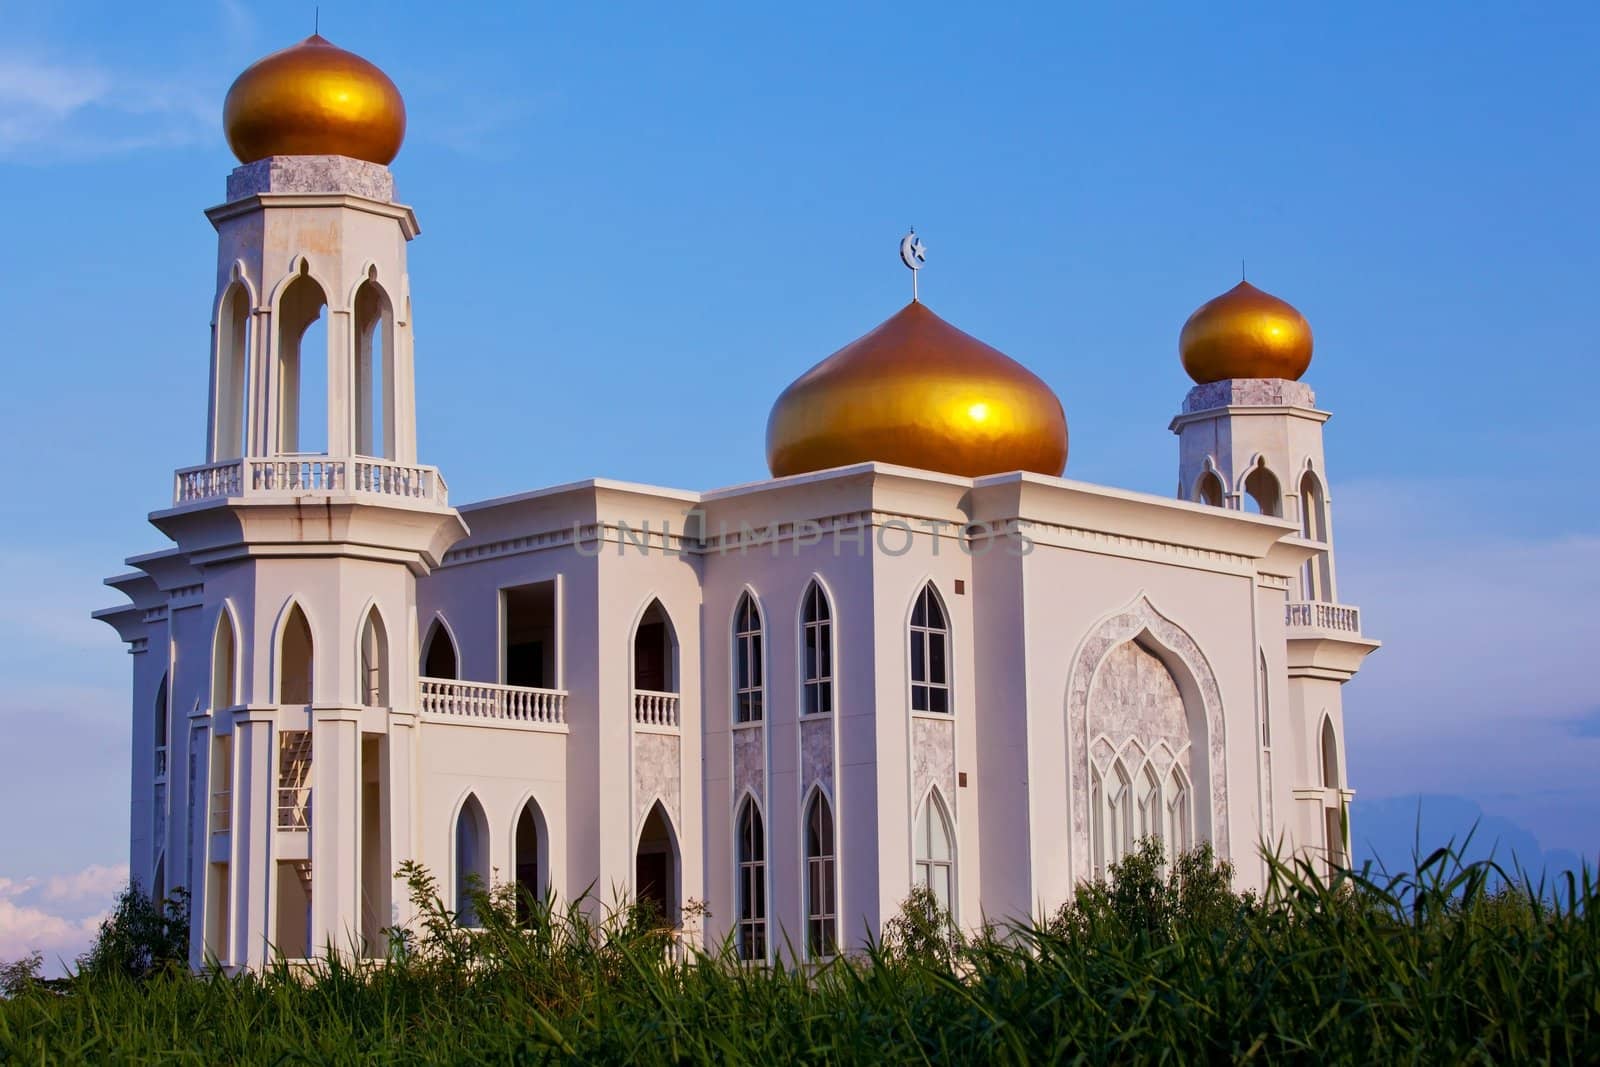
{"x":57,"y":915}
{"x":52,"y":110}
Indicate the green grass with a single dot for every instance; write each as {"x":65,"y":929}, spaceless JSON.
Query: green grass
{"x":1157,"y":965}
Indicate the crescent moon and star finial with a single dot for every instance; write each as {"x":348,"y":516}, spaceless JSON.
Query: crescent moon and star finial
{"x":914,"y":254}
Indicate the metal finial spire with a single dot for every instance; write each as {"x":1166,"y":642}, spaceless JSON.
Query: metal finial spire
{"x":913,"y":253}
{"x":316,"y":22}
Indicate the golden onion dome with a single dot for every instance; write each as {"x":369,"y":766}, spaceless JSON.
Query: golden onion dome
{"x":1245,"y":333}
{"x":918,"y":392}
{"x":314,"y":99}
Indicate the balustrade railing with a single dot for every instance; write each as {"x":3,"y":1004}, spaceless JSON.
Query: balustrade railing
{"x":1316,"y":615}
{"x":490,"y":700}
{"x":651,"y":708}
{"x":256,"y":476}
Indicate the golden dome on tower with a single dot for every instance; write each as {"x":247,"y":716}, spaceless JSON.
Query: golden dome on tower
{"x":314,"y":99}
{"x":1245,"y":333}
{"x":918,"y":392}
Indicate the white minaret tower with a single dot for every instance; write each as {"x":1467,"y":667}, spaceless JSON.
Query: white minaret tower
{"x":1250,"y":438}
{"x":290,"y":598}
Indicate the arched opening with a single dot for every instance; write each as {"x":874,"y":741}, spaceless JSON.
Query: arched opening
{"x":822,"y":907}
{"x":656,"y":866}
{"x":374,"y":676}
{"x":1266,"y":698}
{"x":655,"y":652}
{"x":752,"y":876}
{"x":1179,"y":835}
{"x":749,"y":693}
{"x":163,"y":728}
{"x":224,"y":664}
{"x":930,"y":653}
{"x":295,"y":659}
{"x":816,"y":641}
{"x":1149,"y":815}
{"x":1316,"y":579}
{"x":530,"y":860}
{"x":1113,"y":827}
{"x":233,"y":373}
{"x":472,"y":859}
{"x":374,"y":370}
{"x":302,"y":366}
{"x":1330,"y":756}
{"x":439,"y":653}
{"x":935,"y":850}
{"x":158,"y":881}
{"x":1261,"y":491}
{"x":1208,"y":489}
{"x":1333,"y":802}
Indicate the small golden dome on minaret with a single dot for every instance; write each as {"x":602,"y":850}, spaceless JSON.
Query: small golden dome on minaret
{"x":1245,"y":333}
{"x":314,"y":99}
{"x":918,"y":392}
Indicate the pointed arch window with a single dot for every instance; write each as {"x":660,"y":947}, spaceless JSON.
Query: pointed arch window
{"x":295,"y":659}
{"x":1179,"y":836}
{"x":163,"y":724}
{"x":1262,"y":491}
{"x":374,"y":392}
{"x":749,"y":686}
{"x":232,"y":376}
{"x":930,"y":653}
{"x":302,"y":371}
{"x":1316,"y":577}
{"x":1208,"y":489}
{"x":1113,"y":827}
{"x":935,"y":850}
{"x":374,"y":679}
{"x":752,"y":876}
{"x":472,"y":859}
{"x":1149,"y":817}
{"x":821,"y":903}
{"x":439,"y":653}
{"x":816,"y":626}
{"x":224,"y":663}
{"x":1266,"y":699}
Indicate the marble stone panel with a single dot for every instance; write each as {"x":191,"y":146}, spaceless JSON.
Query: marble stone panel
{"x":312,"y":174}
{"x":750,"y":762}
{"x":816,"y":754}
{"x":657,"y":773}
{"x":1249,"y":392}
{"x":933,"y":757}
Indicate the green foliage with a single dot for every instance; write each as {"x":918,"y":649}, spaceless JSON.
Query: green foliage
{"x":1453,"y":964}
{"x":18,"y":976}
{"x":141,"y":937}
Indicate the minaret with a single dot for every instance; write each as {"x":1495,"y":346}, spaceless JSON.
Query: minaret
{"x":1250,"y":438}
{"x":301,"y":538}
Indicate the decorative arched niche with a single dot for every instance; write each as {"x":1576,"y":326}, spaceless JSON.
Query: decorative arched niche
{"x":1154,"y":633}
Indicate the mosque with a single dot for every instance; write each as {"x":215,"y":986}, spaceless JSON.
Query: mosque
{"x":915,"y":656}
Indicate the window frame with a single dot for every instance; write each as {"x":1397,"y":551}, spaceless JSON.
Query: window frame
{"x":925,"y":637}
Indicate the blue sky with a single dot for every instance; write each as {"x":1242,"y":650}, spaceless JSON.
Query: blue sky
{"x":639,"y":223}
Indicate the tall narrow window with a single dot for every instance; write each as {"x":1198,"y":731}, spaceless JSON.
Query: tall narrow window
{"x":1179,"y":837}
{"x":930,"y":653}
{"x":1315,"y":573}
{"x":1266,"y":700}
{"x":1208,"y":490}
{"x":749,"y":689}
{"x":439,"y":654}
{"x":232,"y":373}
{"x":224,"y":664}
{"x":821,"y":907}
{"x":374,"y":662}
{"x":1113,"y":825}
{"x":817,"y":652}
{"x":163,"y":717}
{"x":935,"y":870}
{"x":374,"y":370}
{"x":472,"y":859}
{"x":752,"y":884}
{"x":1333,"y":801}
{"x":1148,"y":817}
{"x":295,"y":659}
{"x":302,"y":367}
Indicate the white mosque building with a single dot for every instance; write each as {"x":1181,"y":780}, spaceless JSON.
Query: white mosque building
{"x":914,"y":656}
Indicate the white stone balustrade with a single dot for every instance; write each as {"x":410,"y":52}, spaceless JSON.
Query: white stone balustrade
{"x":265,"y":476}
{"x":651,"y":708}
{"x":1316,"y":615}
{"x":488,"y":700}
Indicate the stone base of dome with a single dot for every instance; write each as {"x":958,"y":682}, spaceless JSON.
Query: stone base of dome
{"x":1249,"y":392}
{"x":312,"y":174}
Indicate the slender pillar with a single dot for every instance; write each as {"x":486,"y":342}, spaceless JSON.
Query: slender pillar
{"x":335,"y":830}
{"x":252,"y":824}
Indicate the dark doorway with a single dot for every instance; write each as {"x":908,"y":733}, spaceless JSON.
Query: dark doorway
{"x":530,"y":652}
{"x":654,"y":652}
{"x":655,"y":867}
{"x":529,"y":886}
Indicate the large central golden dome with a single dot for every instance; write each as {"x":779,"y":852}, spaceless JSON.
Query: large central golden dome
{"x":314,"y":99}
{"x":918,"y":392}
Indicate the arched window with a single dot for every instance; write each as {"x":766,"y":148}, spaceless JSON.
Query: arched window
{"x":821,"y":906}
{"x":1208,"y":489}
{"x":374,"y":370}
{"x":530,"y":850}
{"x":439,"y":653}
{"x":163,"y":721}
{"x":1262,"y":492}
{"x":374,"y":679}
{"x":1266,"y":700}
{"x":224,"y":664}
{"x":472,"y":859}
{"x":816,"y":668}
{"x":302,"y":366}
{"x":930,"y":653}
{"x":295,"y":659}
{"x":752,"y":883}
{"x":749,"y":690}
{"x":1333,"y":800}
{"x":1179,"y":836}
{"x":1330,"y":755}
{"x":935,"y":848}
{"x":1113,"y":826}
{"x":1315,"y":576}
{"x":655,"y":652}
{"x":1149,"y":819}
{"x":232,"y":383}
{"x":655,"y":865}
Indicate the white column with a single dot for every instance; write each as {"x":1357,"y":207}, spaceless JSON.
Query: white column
{"x":254,"y":803}
{"x":335,"y":829}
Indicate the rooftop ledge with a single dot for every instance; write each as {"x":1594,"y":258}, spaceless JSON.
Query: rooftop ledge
{"x":301,"y":475}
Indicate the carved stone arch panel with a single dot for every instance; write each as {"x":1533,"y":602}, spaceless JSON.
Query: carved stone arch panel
{"x":1202,"y":698}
